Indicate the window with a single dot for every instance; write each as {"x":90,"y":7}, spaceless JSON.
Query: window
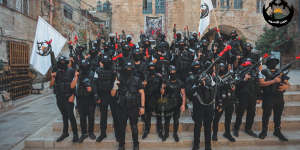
{"x":3,"y":2}
{"x":259,"y":6}
{"x":160,"y":6}
{"x":214,"y":2}
{"x":106,"y":6}
{"x":99,"y":6}
{"x":26,"y":7}
{"x":225,"y":4}
{"x":22,"y":6}
{"x":147,"y":6}
{"x":238,"y":4}
{"x":68,"y":11}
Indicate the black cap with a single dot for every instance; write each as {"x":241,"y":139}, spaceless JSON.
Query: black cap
{"x":196,"y":63}
{"x":172,"y":68}
{"x":128,"y":65}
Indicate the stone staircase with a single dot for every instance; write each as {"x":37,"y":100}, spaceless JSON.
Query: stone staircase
{"x":45,"y":137}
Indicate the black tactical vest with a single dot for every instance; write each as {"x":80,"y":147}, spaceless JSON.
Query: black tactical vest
{"x":105,"y":79}
{"x":63,"y":82}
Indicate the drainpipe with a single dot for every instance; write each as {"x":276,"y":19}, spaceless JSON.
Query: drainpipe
{"x":51,"y":12}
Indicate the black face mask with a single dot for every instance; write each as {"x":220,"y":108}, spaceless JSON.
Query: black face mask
{"x":62,"y":65}
{"x":222,"y":72}
{"x":152,"y":71}
{"x":272,"y":66}
{"x":233,"y":37}
{"x":93,"y":53}
{"x":128,"y":73}
{"x":172,"y":76}
{"x":138,"y":57}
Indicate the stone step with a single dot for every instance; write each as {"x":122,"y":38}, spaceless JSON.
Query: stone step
{"x":290,"y":123}
{"x":294,"y":87}
{"x":292,"y":96}
{"x":291,"y":108}
{"x":45,"y":139}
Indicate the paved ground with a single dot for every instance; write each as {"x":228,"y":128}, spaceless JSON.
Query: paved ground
{"x":19,"y":123}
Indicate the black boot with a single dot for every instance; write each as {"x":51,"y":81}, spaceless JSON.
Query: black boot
{"x":83,"y":137}
{"x":75,"y":138}
{"x":207,"y":146}
{"x":146,"y":132}
{"x":214,"y":137}
{"x":101,"y":137}
{"x":160,"y":135}
{"x":121,"y":147}
{"x":278,"y":133}
{"x":251,"y":133}
{"x":176,"y":138}
{"x":229,"y":137}
{"x":62,"y":137}
{"x":236,"y":132}
{"x":92,"y":136}
{"x":136,"y":147}
{"x":195,"y":147}
{"x":165,"y":137}
{"x":263,"y":134}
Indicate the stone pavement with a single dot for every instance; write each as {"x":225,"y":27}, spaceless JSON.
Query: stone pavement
{"x":21,"y":122}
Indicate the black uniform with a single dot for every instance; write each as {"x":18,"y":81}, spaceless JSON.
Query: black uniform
{"x":247,"y":95}
{"x":129,"y":104}
{"x":202,"y":97}
{"x":152,"y":91}
{"x":86,"y":101}
{"x":224,"y":102}
{"x":272,"y":100}
{"x":173,"y":94}
{"x":105,"y":78}
{"x":63,"y":91}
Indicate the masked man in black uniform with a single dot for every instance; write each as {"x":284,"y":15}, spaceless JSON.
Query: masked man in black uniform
{"x":152,"y":95}
{"x":61,"y":79}
{"x":224,"y":102}
{"x":85,"y":99}
{"x":201,"y":92}
{"x":273,"y":90}
{"x":247,"y":96}
{"x":174,"y":90}
{"x":105,"y":77}
{"x":132,"y":103}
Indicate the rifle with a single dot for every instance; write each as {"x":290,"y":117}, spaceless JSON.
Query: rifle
{"x":240,"y":74}
{"x":123,"y":35}
{"x":204,"y":73}
{"x":174,"y":31}
{"x":285,"y":70}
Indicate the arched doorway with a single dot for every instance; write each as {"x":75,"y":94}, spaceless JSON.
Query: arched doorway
{"x":225,"y":31}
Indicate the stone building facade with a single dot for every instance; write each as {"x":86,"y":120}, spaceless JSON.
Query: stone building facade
{"x":244,"y":16}
{"x":18,"y":19}
{"x":17,"y":23}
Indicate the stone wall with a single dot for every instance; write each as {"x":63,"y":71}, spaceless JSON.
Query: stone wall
{"x":17,"y":26}
{"x":128,"y":15}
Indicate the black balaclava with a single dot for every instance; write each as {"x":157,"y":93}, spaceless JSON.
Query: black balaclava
{"x":222,"y":70}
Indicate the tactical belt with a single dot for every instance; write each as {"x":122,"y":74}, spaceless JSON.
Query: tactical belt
{"x":201,"y":101}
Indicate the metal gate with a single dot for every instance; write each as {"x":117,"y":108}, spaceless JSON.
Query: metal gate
{"x":19,"y":84}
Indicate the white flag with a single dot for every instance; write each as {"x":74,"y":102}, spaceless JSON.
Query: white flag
{"x":45,"y":32}
{"x":206,"y":7}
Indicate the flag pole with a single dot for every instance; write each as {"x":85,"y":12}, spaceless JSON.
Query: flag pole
{"x":217,"y":24}
{"x":199,"y":34}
